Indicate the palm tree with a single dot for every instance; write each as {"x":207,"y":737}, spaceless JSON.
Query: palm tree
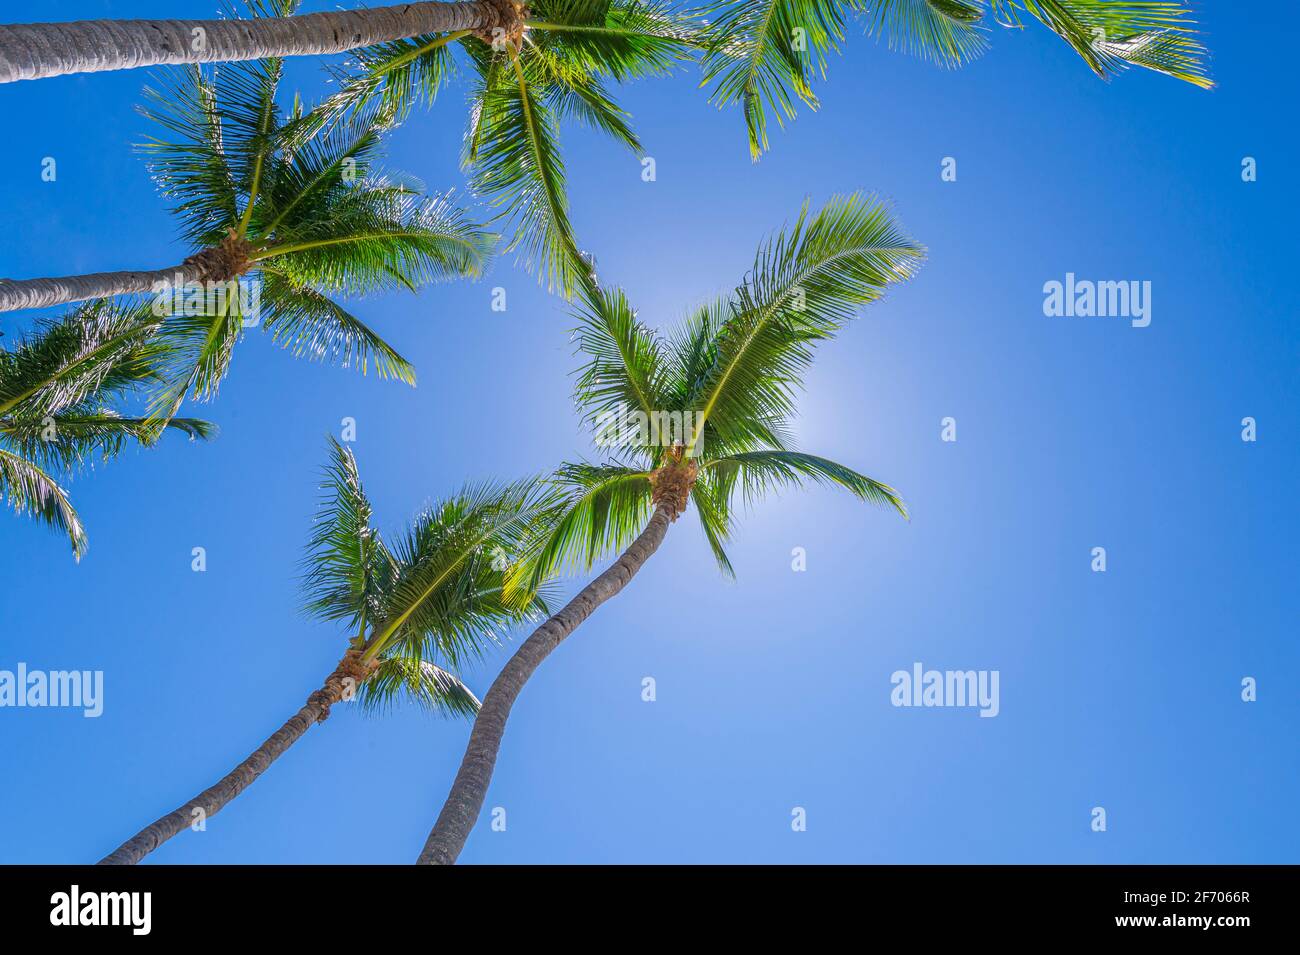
{"x":60,"y":388}
{"x":434,"y":595}
{"x":699,"y":417}
{"x":765,"y":54}
{"x":304,"y":221}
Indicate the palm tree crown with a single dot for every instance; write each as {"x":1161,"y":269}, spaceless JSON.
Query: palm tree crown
{"x":716,"y":397}
{"x":434,"y":595}
{"x":308,"y":219}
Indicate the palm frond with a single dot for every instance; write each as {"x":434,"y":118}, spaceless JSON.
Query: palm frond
{"x":618,"y":39}
{"x":69,"y":440}
{"x":765,"y":54}
{"x":599,"y":508}
{"x":585,"y":101}
{"x":758,"y":473}
{"x":625,"y":366}
{"x":303,"y":186}
{"x":56,"y":386}
{"x":447,"y":596}
{"x":200,"y":348}
{"x":339,"y":569}
{"x":29,"y":490}
{"x":388,"y":80}
{"x":98,"y":349}
{"x":711,"y":497}
{"x":419,"y":681}
{"x":189,"y":162}
{"x":946,"y":32}
{"x":1112,"y":34}
{"x":309,"y":323}
{"x":806,"y":283}
{"x":380,"y":235}
{"x":517,"y":169}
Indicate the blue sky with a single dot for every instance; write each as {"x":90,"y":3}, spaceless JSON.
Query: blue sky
{"x":1118,"y":689}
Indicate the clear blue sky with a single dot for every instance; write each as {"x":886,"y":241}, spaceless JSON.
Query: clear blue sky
{"x":1119,"y":690}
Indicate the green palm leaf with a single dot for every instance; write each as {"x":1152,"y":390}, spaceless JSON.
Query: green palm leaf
{"x":68,"y":441}
{"x":599,"y":508}
{"x":58,"y":385}
{"x":764,"y":54}
{"x":96,"y":349}
{"x":758,"y":473}
{"x":190,"y":164}
{"x":389,"y":80}
{"x":621,"y":40}
{"x":29,"y":490}
{"x":426,"y":684}
{"x":945,"y":31}
{"x":625,"y":367}
{"x":311,"y":324}
{"x":1111,"y":34}
{"x":344,"y":550}
{"x":447,"y":597}
{"x":376,"y":235}
{"x":200,"y":350}
{"x":587,"y":102}
{"x":518,"y":99}
{"x":517,"y":169}
{"x":711,"y":497}
{"x":806,"y":283}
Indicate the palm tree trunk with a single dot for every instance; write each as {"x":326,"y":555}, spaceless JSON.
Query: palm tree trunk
{"x":465,"y":801}
{"x":32,"y":51}
{"x":16,"y":294}
{"x":213,"y":799}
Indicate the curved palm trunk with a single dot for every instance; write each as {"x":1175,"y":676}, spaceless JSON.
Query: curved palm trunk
{"x":32,"y":51}
{"x":465,"y":801}
{"x":16,"y":294}
{"x":213,"y":799}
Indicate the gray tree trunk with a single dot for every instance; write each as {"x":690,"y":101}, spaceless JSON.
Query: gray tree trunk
{"x":465,"y":801}
{"x":16,"y":294}
{"x":32,"y":51}
{"x":213,"y":799}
